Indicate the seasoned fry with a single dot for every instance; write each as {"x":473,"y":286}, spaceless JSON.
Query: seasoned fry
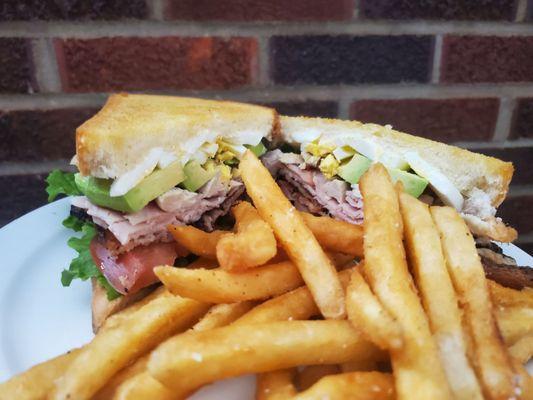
{"x":187,"y":361}
{"x":118,"y":345}
{"x":417,"y":364}
{"x":515,"y":323}
{"x":275,"y":385}
{"x":352,"y":386}
{"x":334,"y":235}
{"x":203,"y":244}
{"x":35,"y":383}
{"x":506,"y":297}
{"x":217,"y":286}
{"x":367,"y":313}
{"x":252,"y":245}
{"x":296,"y":238}
{"x":111,"y":387}
{"x":492,"y":360}
{"x":222,"y":315}
{"x":311,"y":374}
{"x":522,"y":350}
{"x":438,"y":296}
{"x":297,"y":304}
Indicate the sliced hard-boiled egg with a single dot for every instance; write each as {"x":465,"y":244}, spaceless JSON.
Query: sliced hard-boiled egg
{"x":343,"y":152}
{"x":444,"y":188}
{"x":129,"y":180}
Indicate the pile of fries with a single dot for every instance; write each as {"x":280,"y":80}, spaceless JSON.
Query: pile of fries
{"x":318,"y":308}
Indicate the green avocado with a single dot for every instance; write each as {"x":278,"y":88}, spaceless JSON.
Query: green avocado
{"x":154,"y":185}
{"x":196,"y":176}
{"x":353,"y":170}
{"x":412,"y":184}
{"x":259,"y":149}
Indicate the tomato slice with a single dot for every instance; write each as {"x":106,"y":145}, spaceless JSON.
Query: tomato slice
{"x":133,"y":270}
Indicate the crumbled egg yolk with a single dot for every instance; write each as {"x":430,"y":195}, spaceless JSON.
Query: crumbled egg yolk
{"x":225,"y":170}
{"x":329,"y":166}
{"x":225,"y":152}
{"x":319,"y":150}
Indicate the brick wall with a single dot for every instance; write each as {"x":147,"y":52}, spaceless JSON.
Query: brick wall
{"x":457,"y":71}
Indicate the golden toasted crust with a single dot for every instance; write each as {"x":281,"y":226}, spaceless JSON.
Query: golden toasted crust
{"x":122,"y":133}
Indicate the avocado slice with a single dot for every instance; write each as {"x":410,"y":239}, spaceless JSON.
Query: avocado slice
{"x":353,"y":170}
{"x":412,"y":183}
{"x":155,"y":184}
{"x":259,"y":149}
{"x":196,"y":176}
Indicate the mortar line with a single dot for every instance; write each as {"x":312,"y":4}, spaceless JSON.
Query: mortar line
{"x":521,"y":10}
{"x":505,"y":116}
{"x":29,"y":168}
{"x":263,"y":53}
{"x":437,"y":57}
{"x":45,"y":63}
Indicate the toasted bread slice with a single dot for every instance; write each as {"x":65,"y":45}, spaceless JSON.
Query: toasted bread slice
{"x":478,"y":177}
{"x":129,"y":126}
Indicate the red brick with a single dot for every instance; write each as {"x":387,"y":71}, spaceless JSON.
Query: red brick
{"x":16,"y":66}
{"x":109,"y":64}
{"x":40,"y":135}
{"x":438,"y":9}
{"x":20,"y":194}
{"x":523,"y":119}
{"x":259,"y":10}
{"x":474,"y":59}
{"x":27,"y":10}
{"x":518,"y":212}
{"x":445,"y":120}
{"x":521,"y":158}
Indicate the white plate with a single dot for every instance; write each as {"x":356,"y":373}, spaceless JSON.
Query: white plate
{"x":40,"y":319}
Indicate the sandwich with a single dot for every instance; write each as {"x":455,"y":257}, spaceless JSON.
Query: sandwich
{"x":146,"y":162}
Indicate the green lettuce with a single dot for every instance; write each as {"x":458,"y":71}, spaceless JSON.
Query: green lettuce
{"x":59,"y":182}
{"x":83,"y":267}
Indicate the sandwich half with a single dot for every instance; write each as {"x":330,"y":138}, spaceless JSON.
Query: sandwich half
{"x":146,"y":162}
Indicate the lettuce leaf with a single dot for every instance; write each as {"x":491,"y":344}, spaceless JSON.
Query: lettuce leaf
{"x":59,"y":182}
{"x":83,"y":267}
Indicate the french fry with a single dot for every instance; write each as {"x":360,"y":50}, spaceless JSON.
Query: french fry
{"x":142,"y":385}
{"x":109,"y":390}
{"x":35,"y":383}
{"x":438,"y":296}
{"x":190,"y":360}
{"x":118,"y":345}
{"x":514,"y":323}
{"x":334,"y":235}
{"x":522,"y":350}
{"x":492,"y":361}
{"x":297,"y":304}
{"x":296,"y":238}
{"x":218,"y":286}
{"x":417,"y":364}
{"x":352,"y":386}
{"x":275,"y":385}
{"x":341,"y":260}
{"x":525,"y":381}
{"x":367,"y":313}
{"x":506,"y":297}
{"x":311,"y":374}
{"x":203,"y":244}
{"x":252,"y":245}
{"x":363,"y":365}
{"x":222,"y":315}
{"x":204,"y":263}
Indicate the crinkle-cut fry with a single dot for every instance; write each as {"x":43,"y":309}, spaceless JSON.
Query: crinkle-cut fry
{"x":203,"y":244}
{"x":417,"y":364}
{"x":522,"y":350}
{"x":296,"y":238}
{"x":252,"y":245}
{"x":129,"y":338}
{"x":275,"y":385}
{"x":36,"y":382}
{"x":506,"y":297}
{"x":352,"y":386}
{"x":218,"y":286}
{"x":190,"y":360}
{"x":491,"y":358}
{"x":222,"y":315}
{"x":298,"y":304}
{"x":367,"y":313}
{"x":514,"y":323}
{"x":311,"y":374}
{"x":335,"y":235}
{"x":438,"y":296}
